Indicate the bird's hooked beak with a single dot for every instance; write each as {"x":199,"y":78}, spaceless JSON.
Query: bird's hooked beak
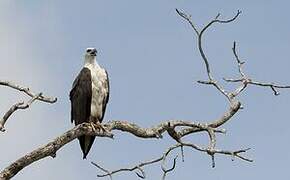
{"x":93,"y":52}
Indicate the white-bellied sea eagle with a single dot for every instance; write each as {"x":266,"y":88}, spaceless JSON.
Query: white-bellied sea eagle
{"x":89,"y":96}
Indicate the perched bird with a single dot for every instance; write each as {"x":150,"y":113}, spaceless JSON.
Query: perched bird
{"x":89,"y":96}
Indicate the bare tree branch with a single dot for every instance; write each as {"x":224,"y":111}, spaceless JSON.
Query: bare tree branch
{"x":50,"y":149}
{"x":158,"y":130}
{"x":107,"y":171}
{"x":187,"y":127}
{"x":154,"y":132}
{"x":211,"y":80}
{"x":136,"y":167}
{"x":271,"y":85}
{"x":22,"y":105}
{"x":240,"y":63}
{"x":189,"y":20}
{"x":162,"y":159}
{"x":245,"y":81}
{"x":216,"y":20}
{"x":27,"y":91}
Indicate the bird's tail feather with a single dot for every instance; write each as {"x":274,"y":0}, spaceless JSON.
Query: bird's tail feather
{"x":86,"y":143}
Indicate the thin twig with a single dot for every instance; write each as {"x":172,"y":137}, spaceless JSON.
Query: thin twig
{"x":136,"y":167}
{"x":188,"y":19}
{"x":165,"y":171}
{"x":270,"y":85}
{"x":240,"y":63}
{"x":143,"y":175}
{"x":103,"y":169}
{"x":223,"y":152}
{"x":212,"y":144}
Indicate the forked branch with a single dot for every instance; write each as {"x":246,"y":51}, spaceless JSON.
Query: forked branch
{"x":211,"y":80}
{"x":245,"y":80}
{"x":22,"y":105}
{"x":162,"y":159}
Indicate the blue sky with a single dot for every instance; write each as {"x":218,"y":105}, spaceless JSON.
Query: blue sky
{"x":153,"y":64}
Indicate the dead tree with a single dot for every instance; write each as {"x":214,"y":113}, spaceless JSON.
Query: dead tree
{"x":177,"y":129}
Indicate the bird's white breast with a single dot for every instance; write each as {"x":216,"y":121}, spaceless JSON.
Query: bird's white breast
{"x":98,"y":75}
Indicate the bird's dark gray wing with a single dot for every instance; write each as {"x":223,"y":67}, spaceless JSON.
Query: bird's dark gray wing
{"x":106,"y":85}
{"x":81,"y":97}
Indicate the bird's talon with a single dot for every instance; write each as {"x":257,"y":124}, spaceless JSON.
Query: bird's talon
{"x":98,"y":127}
{"x":93,"y":127}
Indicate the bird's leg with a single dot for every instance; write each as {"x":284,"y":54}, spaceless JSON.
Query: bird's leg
{"x":96,"y":125}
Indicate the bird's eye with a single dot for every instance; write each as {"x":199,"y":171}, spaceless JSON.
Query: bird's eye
{"x":89,"y":50}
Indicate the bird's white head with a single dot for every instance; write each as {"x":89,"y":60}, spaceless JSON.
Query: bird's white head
{"x":90,"y":56}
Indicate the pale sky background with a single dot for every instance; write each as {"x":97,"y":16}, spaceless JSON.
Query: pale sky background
{"x":153,"y":64}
